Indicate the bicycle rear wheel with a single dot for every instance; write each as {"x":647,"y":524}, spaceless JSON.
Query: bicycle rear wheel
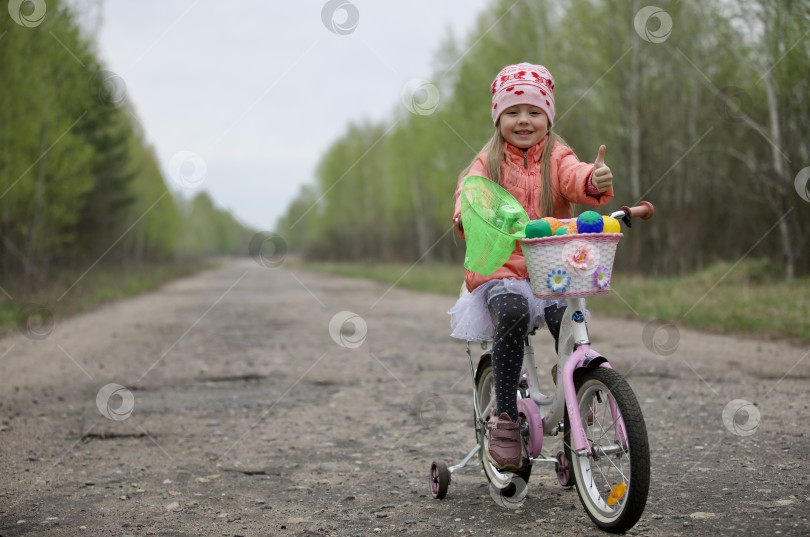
{"x":613,"y":480}
{"x":486,"y":393}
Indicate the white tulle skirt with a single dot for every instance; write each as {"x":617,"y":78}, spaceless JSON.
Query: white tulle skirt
{"x":471,"y":320}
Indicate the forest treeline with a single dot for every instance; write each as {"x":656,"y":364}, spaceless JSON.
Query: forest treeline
{"x":703,"y":106}
{"x":79,"y":184}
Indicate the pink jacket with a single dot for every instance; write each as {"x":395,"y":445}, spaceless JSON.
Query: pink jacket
{"x":520,"y":175}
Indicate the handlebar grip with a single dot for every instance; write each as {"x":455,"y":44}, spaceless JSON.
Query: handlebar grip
{"x":643,"y":210}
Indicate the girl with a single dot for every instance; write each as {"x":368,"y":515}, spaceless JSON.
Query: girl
{"x":537,"y":167}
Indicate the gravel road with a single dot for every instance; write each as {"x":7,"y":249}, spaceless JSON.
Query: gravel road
{"x":221,"y":404}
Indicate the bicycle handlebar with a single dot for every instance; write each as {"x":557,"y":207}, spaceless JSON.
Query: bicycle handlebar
{"x":643,"y":210}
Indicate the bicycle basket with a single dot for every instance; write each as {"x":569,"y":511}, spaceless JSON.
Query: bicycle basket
{"x":493,"y":220}
{"x":570,"y":265}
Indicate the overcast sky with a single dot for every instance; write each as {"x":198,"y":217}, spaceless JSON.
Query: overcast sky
{"x":259,"y":89}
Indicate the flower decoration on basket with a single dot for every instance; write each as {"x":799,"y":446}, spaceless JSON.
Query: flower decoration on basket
{"x":558,"y":281}
{"x":580,"y":255}
{"x":601,"y":277}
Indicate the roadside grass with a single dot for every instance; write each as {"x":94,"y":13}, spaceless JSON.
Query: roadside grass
{"x":42,"y":305}
{"x":750,"y":298}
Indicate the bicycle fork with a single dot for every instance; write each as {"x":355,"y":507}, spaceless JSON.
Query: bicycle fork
{"x":581,"y":356}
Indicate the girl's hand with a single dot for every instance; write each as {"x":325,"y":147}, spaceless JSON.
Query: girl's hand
{"x":602,"y":178}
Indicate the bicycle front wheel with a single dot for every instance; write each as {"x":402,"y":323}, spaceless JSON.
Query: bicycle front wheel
{"x":613,"y":480}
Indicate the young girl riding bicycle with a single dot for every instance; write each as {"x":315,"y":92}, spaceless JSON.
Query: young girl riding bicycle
{"x":538,"y":168}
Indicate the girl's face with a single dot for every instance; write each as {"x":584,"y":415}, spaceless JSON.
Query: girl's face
{"x":523,"y":125}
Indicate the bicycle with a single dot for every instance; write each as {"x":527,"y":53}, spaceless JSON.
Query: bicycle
{"x":605,"y":451}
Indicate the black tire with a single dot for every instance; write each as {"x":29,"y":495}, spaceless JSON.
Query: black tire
{"x":483,"y":386}
{"x":626,"y":475}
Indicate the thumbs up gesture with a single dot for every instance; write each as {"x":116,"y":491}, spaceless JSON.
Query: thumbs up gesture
{"x":602,"y":178}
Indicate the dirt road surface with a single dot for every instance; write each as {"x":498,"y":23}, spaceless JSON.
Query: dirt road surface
{"x":232,"y":410}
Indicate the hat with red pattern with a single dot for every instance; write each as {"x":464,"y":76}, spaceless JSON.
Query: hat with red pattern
{"x":523,"y":83}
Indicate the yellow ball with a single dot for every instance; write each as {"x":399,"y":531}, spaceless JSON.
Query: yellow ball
{"x":571,"y":228}
{"x":611,"y":225}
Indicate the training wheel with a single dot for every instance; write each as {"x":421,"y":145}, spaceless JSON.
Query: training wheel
{"x":439,"y":480}
{"x":564,"y":475}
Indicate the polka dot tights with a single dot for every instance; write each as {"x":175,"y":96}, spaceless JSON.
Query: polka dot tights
{"x":511,"y":312}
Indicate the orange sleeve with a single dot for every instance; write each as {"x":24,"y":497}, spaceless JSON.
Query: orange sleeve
{"x":574,"y":178}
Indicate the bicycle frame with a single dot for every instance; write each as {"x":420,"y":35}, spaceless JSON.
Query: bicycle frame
{"x":574,"y":352}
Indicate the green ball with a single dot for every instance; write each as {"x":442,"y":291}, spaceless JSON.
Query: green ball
{"x":538,"y":228}
{"x":590,"y":217}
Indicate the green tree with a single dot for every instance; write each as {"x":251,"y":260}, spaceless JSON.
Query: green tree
{"x":699,"y":105}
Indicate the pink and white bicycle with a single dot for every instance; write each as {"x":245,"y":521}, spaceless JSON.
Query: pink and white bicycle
{"x":605,"y":451}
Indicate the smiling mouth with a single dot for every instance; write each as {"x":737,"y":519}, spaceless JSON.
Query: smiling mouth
{"x":524,"y":133}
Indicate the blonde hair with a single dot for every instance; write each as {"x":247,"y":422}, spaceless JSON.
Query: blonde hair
{"x":494,"y":150}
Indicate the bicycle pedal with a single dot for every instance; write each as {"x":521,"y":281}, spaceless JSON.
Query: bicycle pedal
{"x":523,"y":384}
{"x":524,"y":422}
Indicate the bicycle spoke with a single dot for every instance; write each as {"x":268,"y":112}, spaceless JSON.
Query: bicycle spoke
{"x":621,"y":473}
{"x":600,"y":418}
{"x":605,"y":474}
{"x":612,"y":425}
{"x":604,"y":477}
{"x":610,"y":461}
{"x":594,"y":440}
{"x":609,"y":487}
{"x":619,"y":470}
{"x":593,"y":415}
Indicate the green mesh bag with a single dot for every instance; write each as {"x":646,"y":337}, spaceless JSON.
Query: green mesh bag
{"x":493,"y":220}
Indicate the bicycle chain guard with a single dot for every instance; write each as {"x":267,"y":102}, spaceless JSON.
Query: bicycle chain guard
{"x":529,"y":409}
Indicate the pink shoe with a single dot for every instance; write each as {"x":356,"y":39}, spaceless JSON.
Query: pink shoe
{"x":504,"y":447}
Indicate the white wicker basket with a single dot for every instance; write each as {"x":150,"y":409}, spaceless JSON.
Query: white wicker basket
{"x":570,"y":265}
